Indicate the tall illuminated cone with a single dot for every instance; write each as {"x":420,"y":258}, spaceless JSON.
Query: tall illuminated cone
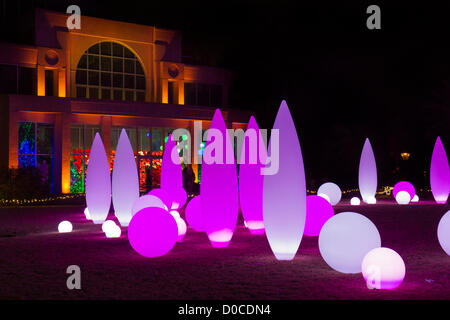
{"x":125,"y":180}
{"x":219,"y":187}
{"x":98,"y":182}
{"x":171,"y":174}
{"x":253,"y":158}
{"x":367,"y":178}
{"x":284,"y":193}
{"x":439,"y":173}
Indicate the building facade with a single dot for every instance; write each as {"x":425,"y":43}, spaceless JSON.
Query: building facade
{"x":108,"y":75}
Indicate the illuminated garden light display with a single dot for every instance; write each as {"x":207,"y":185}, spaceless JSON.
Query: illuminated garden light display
{"x":65,"y":226}
{"x":171,"y":173}
{"x":98,"y":183}
{"x":439,"y":173}
{"x":403,"y":197}
{"x":383,"y":268}
{"x":163,"y":196}
{"x":152,"y":232}
{"x":443,"y":232}
{"x":318,"y":211}
{"x":345,"y":239}
{"x":253,"y":159}
{"x":333,"y":192}
{"x":219,"y":186}
{"x":284,"y":193}
{"x":415,"y":198}
{"x":113,"y":232}
{"x":193,"y":214}
{"x":182,"y":228}
{"x":404,"y":186}
{"x":87,"y":214}
{"x":125,"y":180}
{"x":355,"y":201}
{"x":145,"y":202}
{"x":108,"y":225}
{"x":367,"y":177}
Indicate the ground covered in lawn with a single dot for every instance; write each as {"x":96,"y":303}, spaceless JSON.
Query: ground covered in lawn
{"x":34,"y":259}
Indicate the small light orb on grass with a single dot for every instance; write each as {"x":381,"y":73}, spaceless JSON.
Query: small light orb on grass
{"x":404,"y":186}
{"x":355,"y":201}
{"x":415,"y":198}
{"x":332,"y":191}
{"x":152,"y":232}
{"x":345,"y":239}
{"x":65,"y":226}
{"x":108,"y":225}
{"x":318,"y":211}
{"x":113,"y":232}
{"x":383,"y":268}
{"x":403,"y":197}
{"x":193,"y":214}
{"x":181,"y":225}
{"x":87,"y":214}
{"x":371,"y":200}
{"x":443,"y":232}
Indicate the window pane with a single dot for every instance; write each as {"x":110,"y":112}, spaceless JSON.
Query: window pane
{"x":140,"y":96}
{"x":44,"y":138}
{"x":106,"y":79}
{"x":117,"y":65}
{"x":156,"y":139}
{"x":93,"y":93}
{"x":139,"y":69}
{"x":140,"y":83}
{"x":189,"y":94}
{"x":129,"y":95}
{"x":118,"y":95}
{"x":77,"y":139}
{"x":81,"y":92}
{"x":105,"y":48}
{"x":93,"y":78}
{"x":82,"y":64}
{"x":216,"y":96}
{"x":203,"y":94}
{"x":118,"y":80}
{"x":90,"y":135}
{"x":93,"y":62}
{"x":94,"y":49}
{"x":81,"y":77}
{"x":144,"y":139}
{"x":129,"y":66}
{"x":106,"y":64}
{"x":77,"y":173}
{"x":49,"y":91}
{"x":106,"y":94}
{"x":115,"y":133}
{"x":128,"y":53}
{"x":117,"y":50}
{"x":27,"y":80}
{"x":27,"y":161}
{"x":27,"y":138}
{"x":45,"y":167}
{"x":129,"y":82}
{"x":8,"y":79}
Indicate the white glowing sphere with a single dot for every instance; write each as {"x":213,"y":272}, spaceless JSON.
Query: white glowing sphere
{"x":403,"y":197}
{"x":371,"y":200}
{"x":65,"y":226}
{"x":355,"y":201}
{"x":443,"y":232}
{"x":345,"y":239}
{"x":114,"y":231}
{"x":87,"y":214}
{"x":175,"y":214}
{"x":383,"y":268}
{"x":415,"y":198}
{"x":108,"y":225}
{"x":326,"y":197}
{"x":181,"y":228}
{"x":245,"y":224}
{"x":332,"y":191}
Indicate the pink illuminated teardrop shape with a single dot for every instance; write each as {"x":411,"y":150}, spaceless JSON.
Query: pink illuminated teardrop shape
{"x":284,"y":193}
{"x":439,"y":173}
{"x":98,"y":182}
{"x":367,"y":178}
{"x":125,"y":180}
{"x":219,"y":187}
{"x":171,"y":174}
{"x":253,"y":158}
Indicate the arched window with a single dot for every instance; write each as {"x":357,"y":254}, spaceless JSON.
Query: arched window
{"x":109,"y":70}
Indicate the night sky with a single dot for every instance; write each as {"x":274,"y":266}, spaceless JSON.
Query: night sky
{"x":342,"y":82}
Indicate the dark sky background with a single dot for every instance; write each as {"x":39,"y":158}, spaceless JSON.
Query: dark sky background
{"x":342,"y":82}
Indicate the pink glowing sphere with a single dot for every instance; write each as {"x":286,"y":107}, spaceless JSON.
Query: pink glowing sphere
{"x":318,"y":211}
{"x":404,"y":186}
{"x":152,"y":232}
{"x":193,"y":214}
{"x":163,"y":196}
{"x":178,"y":197}
{"x":383,"y":268}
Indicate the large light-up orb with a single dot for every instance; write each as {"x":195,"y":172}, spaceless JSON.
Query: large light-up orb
{"x":125,"y":180}
{"x":253,"y":158}
{"x":403,"y":197}
{"x":326,"y":197}
{"x":113,"y":232}
{"x":163,"y":196}
{"x":219,"y":187}
{"x":152,"y":232}
{"x":383,"y":268}
{"x":98,"y":182}
{"x":404,"y":186}
{"x":171,"y":173}
{"x":147,"y":201}
{"x":355,"y":201}
{"x":193,"y":214}
{"x":318,"y":211}
{"x":443,"y":232}
{"x":367,"y":177}
{"x":415,"y":198}
{"x":439,"y":173}
{"x":108,"y":225}
{"x":65,"y":226}
{"x":345,"y":239}
{"x":87,"y":214}
{"x":333,"y":192}
{"x":182,"y":228}
{"x":284,"y":193}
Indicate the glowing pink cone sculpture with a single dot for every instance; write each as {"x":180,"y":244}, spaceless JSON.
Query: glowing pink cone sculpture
{"x":253,"y":158}
{"x":284,"y":194}
{"x":125,"y":180}
{"x":98,"y":182}
{"x":367,"y":173}
{"x":318,"y":211}
{"x":171,"y":174}
{"x":439,"y":173}
{"x":219,"y":187}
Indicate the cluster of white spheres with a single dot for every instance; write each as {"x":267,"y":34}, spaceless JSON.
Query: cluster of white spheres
{"x":355,"y":201}
{"x":403,"y":197}
{"x":65,"y":226}
{"x":443,"y":232}
{"x":345,"y":239}
{"x":332,"y":191}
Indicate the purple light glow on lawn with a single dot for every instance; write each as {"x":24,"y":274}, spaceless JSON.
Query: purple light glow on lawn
{"x":367,"y":178}
{"x":439,"y":173}
{"x":284,"y":193}
{"x":404,"y":186}
{"x":98,"y":183}
{"x":125,"y":180}
{"x":219,"y":187}
{"x":318,"y":211}
{"x":253,"y":158}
